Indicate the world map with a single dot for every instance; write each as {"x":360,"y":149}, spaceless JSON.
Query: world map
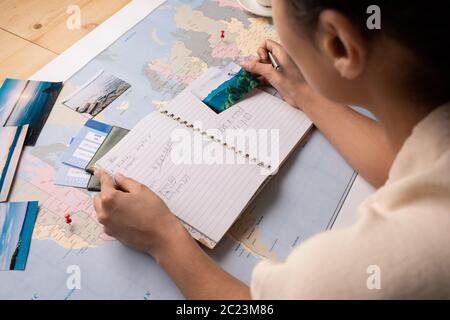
{"x":159,"y":57}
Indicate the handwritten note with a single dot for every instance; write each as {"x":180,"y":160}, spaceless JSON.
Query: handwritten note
{"x":207,"y":197}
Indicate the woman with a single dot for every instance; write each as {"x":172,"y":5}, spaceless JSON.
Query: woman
{"x":330,"y":60}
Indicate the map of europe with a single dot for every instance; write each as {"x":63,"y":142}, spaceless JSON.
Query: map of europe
{"x":159,"y":57}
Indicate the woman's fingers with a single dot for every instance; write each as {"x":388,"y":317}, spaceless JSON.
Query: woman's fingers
{"x":262,"y":54}
{"x":271,"y":45}
{"x":266,"y":46}
{"x":106,"y":181}
{"x":127,"y":184}
{"x":262,"y":69}
{"x":274,"y":47}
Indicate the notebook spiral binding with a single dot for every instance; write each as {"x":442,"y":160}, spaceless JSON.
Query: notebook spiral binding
{"x":213,"y":138}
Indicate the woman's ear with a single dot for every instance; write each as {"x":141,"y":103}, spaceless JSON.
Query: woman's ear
{"x":342,"y":43}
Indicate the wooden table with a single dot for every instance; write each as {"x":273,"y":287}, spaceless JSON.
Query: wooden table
{"x":33,"y":32}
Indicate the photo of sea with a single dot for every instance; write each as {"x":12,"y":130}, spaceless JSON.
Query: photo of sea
{"x":27,"y":102}
{"x":16,"y":227}
{"x":98,"y":93}
{"x":11,"y":144}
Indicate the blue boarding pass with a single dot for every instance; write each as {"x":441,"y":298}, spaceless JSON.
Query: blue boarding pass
{"x":85,"y":144}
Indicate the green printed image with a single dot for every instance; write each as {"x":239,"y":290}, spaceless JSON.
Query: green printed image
{"x":232,"y":91}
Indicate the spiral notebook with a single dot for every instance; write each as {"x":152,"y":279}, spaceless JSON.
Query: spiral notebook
{"x":208,"y":167}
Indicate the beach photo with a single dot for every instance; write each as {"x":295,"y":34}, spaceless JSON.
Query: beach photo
{"x":98,"y":93}
{"x":27,"y":102}
{"x":11,"y":144}
{"x":16,"y":227}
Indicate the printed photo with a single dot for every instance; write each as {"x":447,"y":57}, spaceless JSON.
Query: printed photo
{"x":27,"y":102}
{"x":11,"y":144}
{"x":16,"y":227}
{"x":220,"y":89}
{"x":231,"y":91}
{"x":98,"y":93}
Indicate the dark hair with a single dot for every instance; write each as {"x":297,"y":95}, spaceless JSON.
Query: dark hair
{"x":421,"y":26}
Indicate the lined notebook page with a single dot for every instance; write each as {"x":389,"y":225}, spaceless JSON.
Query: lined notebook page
{"x":259,"y":111}
{"x":208,"y":197}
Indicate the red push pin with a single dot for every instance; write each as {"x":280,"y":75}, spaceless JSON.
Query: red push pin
{"x":222,"y":34}
{"x":68,"y":218}
{"x":68,"y":221}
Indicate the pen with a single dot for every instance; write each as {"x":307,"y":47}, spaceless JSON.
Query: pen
{"x":273,"y":61}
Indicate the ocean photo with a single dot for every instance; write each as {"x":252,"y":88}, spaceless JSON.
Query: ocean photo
{"x":16,"y":227}
{"x":27,"y":102}
{"x":11,"y":144}
{"x":98,"y":93}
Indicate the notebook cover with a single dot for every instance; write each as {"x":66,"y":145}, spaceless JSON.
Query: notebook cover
{"x":115,"y":135}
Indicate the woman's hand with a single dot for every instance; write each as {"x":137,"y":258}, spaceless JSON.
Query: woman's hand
{"x":134,"y":215}
{"x":288,"y":80}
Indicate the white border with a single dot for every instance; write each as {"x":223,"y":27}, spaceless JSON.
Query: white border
{"x":86,"y":49}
